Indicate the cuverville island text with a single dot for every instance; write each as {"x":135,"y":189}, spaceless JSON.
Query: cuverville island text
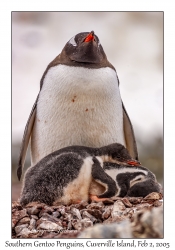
{"x":88,"y":243}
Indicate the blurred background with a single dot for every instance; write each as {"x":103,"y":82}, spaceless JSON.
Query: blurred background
{"x":133,"y":43}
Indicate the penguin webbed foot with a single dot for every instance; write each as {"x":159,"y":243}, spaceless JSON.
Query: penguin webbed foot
{"x":98,"y":199}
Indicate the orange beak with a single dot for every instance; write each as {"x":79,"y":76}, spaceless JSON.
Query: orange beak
{"x":133,"y":163}
{"x":90,"y":37}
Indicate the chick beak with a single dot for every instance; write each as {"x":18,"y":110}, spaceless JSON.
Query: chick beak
{"x":133,"y":163}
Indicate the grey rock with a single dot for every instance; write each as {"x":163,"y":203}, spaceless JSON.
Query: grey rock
{"x":107,"y":212}
{"x":81,"y":224}
{"x":19,"y":228}
{"x":97,"y":213}
{"x":85,"y":214}
{"x":157,"y":203}
{"x":33,"y":210}
{"x":48,"y":225}
{"x":98,"y":205}
{"x":25,"y":220}
{"x":80,"y":205}
{"x":152,"y":221}
{"x":76,"y":213}
{"x":114,"y":230}
{"x":18,"y":215}
{"x":32,"y":224}
{"x":148,"y":223}
{"x":34,"y":217}
{"x":56,"y":214}
{"x":126,"y":202}
{"x":24,"y":233}
{"x":46,"y":216}
{"x":118,"y":209}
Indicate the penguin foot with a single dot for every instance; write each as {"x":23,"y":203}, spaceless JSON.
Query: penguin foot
{"x":95,"y":198}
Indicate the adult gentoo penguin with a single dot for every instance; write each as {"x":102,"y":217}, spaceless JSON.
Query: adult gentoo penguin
{"x":79,"y":103}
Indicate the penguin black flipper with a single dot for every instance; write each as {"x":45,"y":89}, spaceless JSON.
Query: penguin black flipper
{"x":103,"y":179}
{"x":129,"y":135}
{"x":26,"y":138}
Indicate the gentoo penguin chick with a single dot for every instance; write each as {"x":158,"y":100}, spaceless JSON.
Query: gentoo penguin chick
{"x":133,"y":181}
{"x":114,"y":152}
{"x":65,"y":178}
{"x":74,"y":173}
{"x":79,"y":103}
{"x":131,"y":178}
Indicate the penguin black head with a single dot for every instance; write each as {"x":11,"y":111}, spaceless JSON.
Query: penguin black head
{"x":83,"y":50}
{"x":117,"y":153}
{"x":143,"y":188}
{"x":133,"y":181}
{"x":85,"y":47}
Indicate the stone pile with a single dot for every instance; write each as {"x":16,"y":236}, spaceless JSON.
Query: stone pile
{"x":127,"y":217}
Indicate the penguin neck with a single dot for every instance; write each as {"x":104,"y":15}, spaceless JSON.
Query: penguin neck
{"x":82,"y":79}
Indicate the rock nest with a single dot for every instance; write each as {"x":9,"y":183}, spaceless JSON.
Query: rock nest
{"x":128,"y":217}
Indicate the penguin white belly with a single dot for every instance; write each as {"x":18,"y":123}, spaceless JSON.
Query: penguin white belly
{"x":77,"y":106}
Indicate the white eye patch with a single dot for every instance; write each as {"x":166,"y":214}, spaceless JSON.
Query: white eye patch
{"x":72,"y":41}
{"x":138,"y":178}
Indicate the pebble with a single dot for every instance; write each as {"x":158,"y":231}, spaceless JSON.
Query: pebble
{"x":48,"y":225}
{"x":118,"y":209}
{"x":19,"y":228}
{"x":76,"y":213}
{"x":113,"y":230}
{"x":32,"y":224}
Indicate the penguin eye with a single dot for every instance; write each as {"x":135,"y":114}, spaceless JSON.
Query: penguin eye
{"x":72,"y":41}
